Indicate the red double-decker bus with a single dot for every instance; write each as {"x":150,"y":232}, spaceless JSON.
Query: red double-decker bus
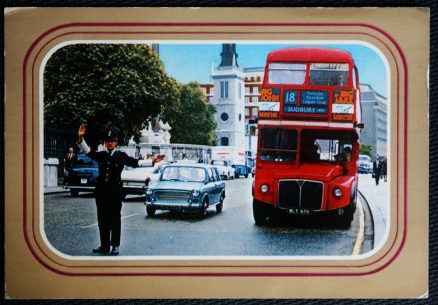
{"x":309,"y":119}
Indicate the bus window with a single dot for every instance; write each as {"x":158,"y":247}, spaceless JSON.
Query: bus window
{"x":326,"y":74}
{"x":333,"y":150}
{"x":287,"y":74}
{"x":278,"y":145}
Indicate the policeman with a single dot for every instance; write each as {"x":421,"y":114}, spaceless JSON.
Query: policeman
{"x":109,"y":190}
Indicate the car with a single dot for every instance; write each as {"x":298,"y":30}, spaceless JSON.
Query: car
{"x":186,"y":187}
{"x":226,"y":171}
{"x":365,"y":164}
{"x":83,"y":176}
{"x":135,"y":180}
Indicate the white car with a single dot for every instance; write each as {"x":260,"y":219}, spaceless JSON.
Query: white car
{"x":135,"y":180}
{"x":365,"y":164}
{"x":224,"y":168}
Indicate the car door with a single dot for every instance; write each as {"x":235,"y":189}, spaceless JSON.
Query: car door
{"x":219,"y":185}
{"x":212,"y":186}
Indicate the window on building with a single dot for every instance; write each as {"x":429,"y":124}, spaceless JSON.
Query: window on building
{"x":224,"y":89}
{"x":252,"y":131}
{"x":224,"y":141}
{"x":255,"y":112}
{"x":247,"y":90}
{"x":258,"y":78}
{"x":246,"y":111}
{"x":255,"y":99}
{"x":247,"y":99}
{"x":240,"y":90}
{"x":240,"y":117}
{"x":255,"y":90}
{"x":224,"y":116}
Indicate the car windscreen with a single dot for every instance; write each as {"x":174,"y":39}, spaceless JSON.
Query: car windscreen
{"x":183,"y":173}
{"x":219,"y":162}
{"x":84,"y":161}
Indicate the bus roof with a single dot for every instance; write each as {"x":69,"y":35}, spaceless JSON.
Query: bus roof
{"x":310,"y":54}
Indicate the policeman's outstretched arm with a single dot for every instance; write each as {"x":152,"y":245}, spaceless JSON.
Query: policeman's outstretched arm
{"x":81,"y":142}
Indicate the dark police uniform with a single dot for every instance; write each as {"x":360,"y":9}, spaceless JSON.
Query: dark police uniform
{"x":109,"y":194}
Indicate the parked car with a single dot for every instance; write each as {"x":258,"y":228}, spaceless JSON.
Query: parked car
{"x":135,"y":180}
{"x":365,"y":164}
{"x":83,"y":176}
{"x":226,"y":171}
{"x":186,"y":187}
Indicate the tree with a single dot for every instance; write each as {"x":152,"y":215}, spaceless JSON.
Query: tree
{"x":192,"y":119}
{"x":366,"y":149}
{"x":121,"y":86}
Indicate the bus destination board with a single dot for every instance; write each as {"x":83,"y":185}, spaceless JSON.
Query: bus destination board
{"x":311,"y":102}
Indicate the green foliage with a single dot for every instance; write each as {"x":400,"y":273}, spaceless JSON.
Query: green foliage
{"x":106,"y":85}
{"x":366,"y":149}
{"x":192,"y":119}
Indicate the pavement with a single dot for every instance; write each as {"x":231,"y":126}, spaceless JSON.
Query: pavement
{"x":55,"y":190}
{"x":377,"y":197}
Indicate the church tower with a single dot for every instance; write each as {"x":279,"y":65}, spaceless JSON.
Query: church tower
{"x":228,"y":98}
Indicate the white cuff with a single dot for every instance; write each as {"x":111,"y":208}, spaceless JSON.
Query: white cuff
{"x":144,"y":163}
{"x":83,"y":146}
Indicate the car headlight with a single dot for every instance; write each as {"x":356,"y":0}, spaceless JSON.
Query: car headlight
{"x":337,"y":192}
{"x":195,"y":193}
{"x":149,"y":192}
{"x":264,"y":188}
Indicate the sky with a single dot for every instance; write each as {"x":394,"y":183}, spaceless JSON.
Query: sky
{"x":194,"y":61}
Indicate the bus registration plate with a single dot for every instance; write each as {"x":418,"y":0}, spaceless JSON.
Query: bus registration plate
{"x":83,"y":181}
{"x":299,"y":211}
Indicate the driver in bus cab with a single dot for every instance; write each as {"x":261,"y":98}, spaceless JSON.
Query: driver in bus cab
{"x":344,"y":156}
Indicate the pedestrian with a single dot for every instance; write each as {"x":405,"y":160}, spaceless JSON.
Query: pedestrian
{"x":377,"y":166}
{"x":69,"y":161}
{"x":109,"y":190}
{"x":384,"y":168}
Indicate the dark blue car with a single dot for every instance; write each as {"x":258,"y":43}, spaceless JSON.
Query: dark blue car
{"x":83,"y":176}
{"x":186,"y":187}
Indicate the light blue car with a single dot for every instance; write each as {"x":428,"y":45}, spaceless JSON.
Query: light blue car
{"x":186,"y":187}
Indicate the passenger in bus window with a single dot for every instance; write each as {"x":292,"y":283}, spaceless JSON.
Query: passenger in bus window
{"x":339,"y":81}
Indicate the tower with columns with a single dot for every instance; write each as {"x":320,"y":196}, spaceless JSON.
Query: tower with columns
{"x":228,"y":99}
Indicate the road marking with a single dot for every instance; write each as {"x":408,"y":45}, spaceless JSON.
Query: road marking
{"x":361,"y":234}
{"x":95,"y":224}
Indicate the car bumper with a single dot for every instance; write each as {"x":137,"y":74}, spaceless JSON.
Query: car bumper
{"x":174,"y":206}
{"x":134,"y":189}
{"x":81,"y":187}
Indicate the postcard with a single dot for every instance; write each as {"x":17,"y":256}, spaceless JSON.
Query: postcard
{"x":216,"y":153}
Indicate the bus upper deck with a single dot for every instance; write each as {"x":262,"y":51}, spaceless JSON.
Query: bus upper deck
{"x":311,"y":84}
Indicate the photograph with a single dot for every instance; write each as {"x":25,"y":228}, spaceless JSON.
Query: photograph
{"x":262,"y":143}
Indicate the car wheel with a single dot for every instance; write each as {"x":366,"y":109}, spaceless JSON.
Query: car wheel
{"x":259,"y":212}
{"x":220,"y":205}
{"x":203,"y":209}
{"x":150,"y":210}
{"x":74,"y":193}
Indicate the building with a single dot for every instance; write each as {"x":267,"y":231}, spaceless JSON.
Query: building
{"x":374,"y":117}
{"x":227,"y":97}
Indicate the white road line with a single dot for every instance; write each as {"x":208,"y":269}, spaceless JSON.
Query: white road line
{"x":95,"y":224}
{"x":361,"y":234}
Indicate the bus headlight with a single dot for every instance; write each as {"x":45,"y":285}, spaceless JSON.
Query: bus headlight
{"x":337,"y":192}
{"x":149,"y":192}
{"x":264,"y":188}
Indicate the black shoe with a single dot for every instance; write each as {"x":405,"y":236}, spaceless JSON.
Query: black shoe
{"x":101,"y":250}
{"x":115,"y":251}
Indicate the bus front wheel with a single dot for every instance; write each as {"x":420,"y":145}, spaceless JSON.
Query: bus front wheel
{"x":260,"y":212}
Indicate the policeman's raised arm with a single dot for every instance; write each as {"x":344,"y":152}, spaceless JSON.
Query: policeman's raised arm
{"x":81,"y":142}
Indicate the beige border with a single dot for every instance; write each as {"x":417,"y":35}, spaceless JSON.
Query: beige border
{"x":405,"y":265}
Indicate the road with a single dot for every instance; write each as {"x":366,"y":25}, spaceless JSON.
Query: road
{"x":71,"y":228}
